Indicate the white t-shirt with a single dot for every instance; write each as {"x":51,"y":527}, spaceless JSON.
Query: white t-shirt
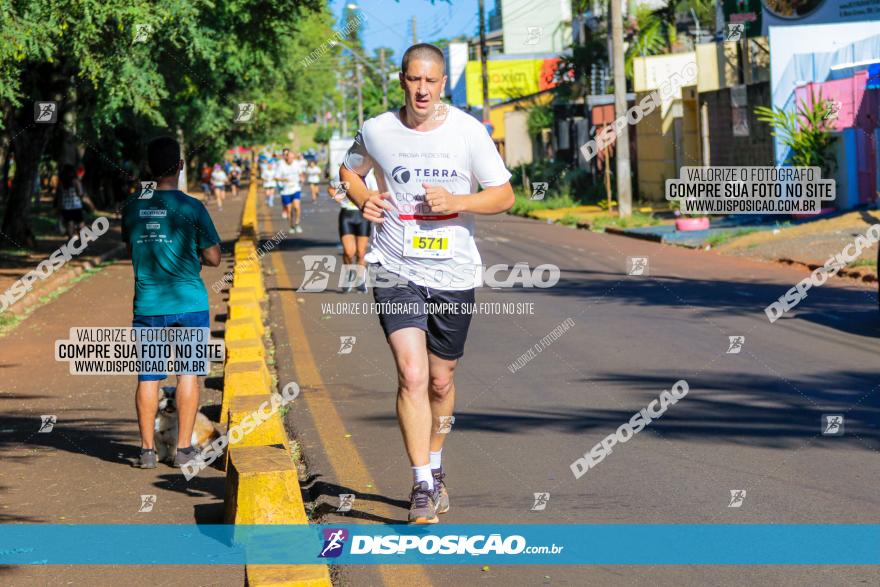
{"x":314,"y":174}
{"x":268,"y":175}
{"x":432,"y":250}
{"x":288,"y":177}
{"x":218,"y":177}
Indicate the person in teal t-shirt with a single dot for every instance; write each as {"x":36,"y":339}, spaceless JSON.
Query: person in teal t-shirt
{"x":170,"y":236}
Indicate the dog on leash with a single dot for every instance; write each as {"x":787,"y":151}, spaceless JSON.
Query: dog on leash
{"x":204,"y":432}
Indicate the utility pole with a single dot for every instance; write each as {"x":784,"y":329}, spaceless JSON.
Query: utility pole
{"x":360,"y":97}
{"x":483,"y":62}
{"x":415,"y":37}
{"x":384,"y":76}
{"x":624,"y":180}
{"x":344,"y":113}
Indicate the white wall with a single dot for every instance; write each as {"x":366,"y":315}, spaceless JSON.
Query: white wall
{"x":536,"y":26}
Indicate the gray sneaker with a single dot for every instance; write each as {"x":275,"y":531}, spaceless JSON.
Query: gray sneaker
{"x":181,"y":459}
{"x":148,"y":458}
{"x":441,"y":496}
{"x":299,"y":229}
{"x":421,"y":505}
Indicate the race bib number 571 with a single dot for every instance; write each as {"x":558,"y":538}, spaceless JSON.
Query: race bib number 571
{"x":436,"y":243}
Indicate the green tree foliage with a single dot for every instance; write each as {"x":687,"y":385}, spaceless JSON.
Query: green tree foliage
{"x":323,"y":134}
{"x":649,"y":33}
{"x":540,"y":117}
{"x":198,"y":60}
{"x":806,"y":131}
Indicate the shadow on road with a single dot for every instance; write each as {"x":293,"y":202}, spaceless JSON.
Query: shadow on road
{"x":847,"y":309}
{"x":723,"y":407}
{"x":326,"y":495}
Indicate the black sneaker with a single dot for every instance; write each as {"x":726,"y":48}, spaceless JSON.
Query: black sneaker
{"x":421,"y":505}
{"x":148,"y":458}
{"x":182,"y":458}
{"x":441,"y":496}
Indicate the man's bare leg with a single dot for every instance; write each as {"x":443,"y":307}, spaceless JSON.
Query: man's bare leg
{"x":187,"y":399}
{"x":146,"y":402}
{"x":413,"y":405}
{"x":441,"y":393}
{"x":414,"y":417}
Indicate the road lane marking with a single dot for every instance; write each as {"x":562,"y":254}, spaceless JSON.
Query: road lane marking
{"x":342,"y":454}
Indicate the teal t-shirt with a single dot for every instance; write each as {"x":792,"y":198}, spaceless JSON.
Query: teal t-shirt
{"x":166,"y":233}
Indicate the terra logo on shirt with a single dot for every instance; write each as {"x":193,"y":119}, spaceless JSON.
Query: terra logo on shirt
{"x":400,"y":174}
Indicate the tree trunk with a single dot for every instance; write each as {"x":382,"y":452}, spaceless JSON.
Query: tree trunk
{"x":29,"y":146}
{"x":43,"y":82}
{"x":5,"y":156}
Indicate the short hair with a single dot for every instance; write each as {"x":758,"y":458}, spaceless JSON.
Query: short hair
{"x":163,"y":156}
{"x":425,"y":51}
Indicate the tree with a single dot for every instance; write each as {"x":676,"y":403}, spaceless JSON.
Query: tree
{"x":540,"y":117}
{"x":806,"y":131}
{"x":649,"y":34}
{"x":185,"y":76}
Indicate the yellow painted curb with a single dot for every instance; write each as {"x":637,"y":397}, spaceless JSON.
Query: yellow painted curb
{"x":255,"y":370}
{"x":245,"y":328}
{"x":262,"y":487}
{"x":243,"y":378}
{"x":249,"y":279}
{"x":243,"y":294}
{"x":262,"y":484}
{"x":240,"y":310}
{"x":245,"y":349}
{"x":246,"y":256}
{"x":269,"y":433}
{"x":288,"y":576}
{"x":248,"y":268}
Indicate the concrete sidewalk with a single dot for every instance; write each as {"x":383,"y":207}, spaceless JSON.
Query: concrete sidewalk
{"x":80,"y":472}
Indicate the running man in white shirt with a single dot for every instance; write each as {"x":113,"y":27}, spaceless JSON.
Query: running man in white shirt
{"x":430,"y":160}
{"x":313,"y":176}
{"x":219,"y":180}
{"x":267,"y":176}
{"x":289,"y":174}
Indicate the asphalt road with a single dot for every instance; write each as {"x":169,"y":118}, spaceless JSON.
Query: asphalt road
{"x":751,"y":421}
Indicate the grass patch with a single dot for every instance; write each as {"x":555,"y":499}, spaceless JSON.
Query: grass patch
{"x":866,"y":262}
{"x":718,"y":239}
{"x":9,"y":321}
{"x":603,"y":221}
{"x":523,"y":205}
{"x":569,"y":220}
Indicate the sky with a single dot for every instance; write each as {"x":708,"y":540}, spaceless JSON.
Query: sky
{"x":388,"y":22}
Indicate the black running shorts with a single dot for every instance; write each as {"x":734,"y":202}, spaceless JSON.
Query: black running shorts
{"x":353,"y":222}
{"x":408,"y":306}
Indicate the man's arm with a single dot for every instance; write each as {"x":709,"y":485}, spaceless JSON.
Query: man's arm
{"x":211,"y":256}
{"x":492,"y":200}
{"x":372,"y":204}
